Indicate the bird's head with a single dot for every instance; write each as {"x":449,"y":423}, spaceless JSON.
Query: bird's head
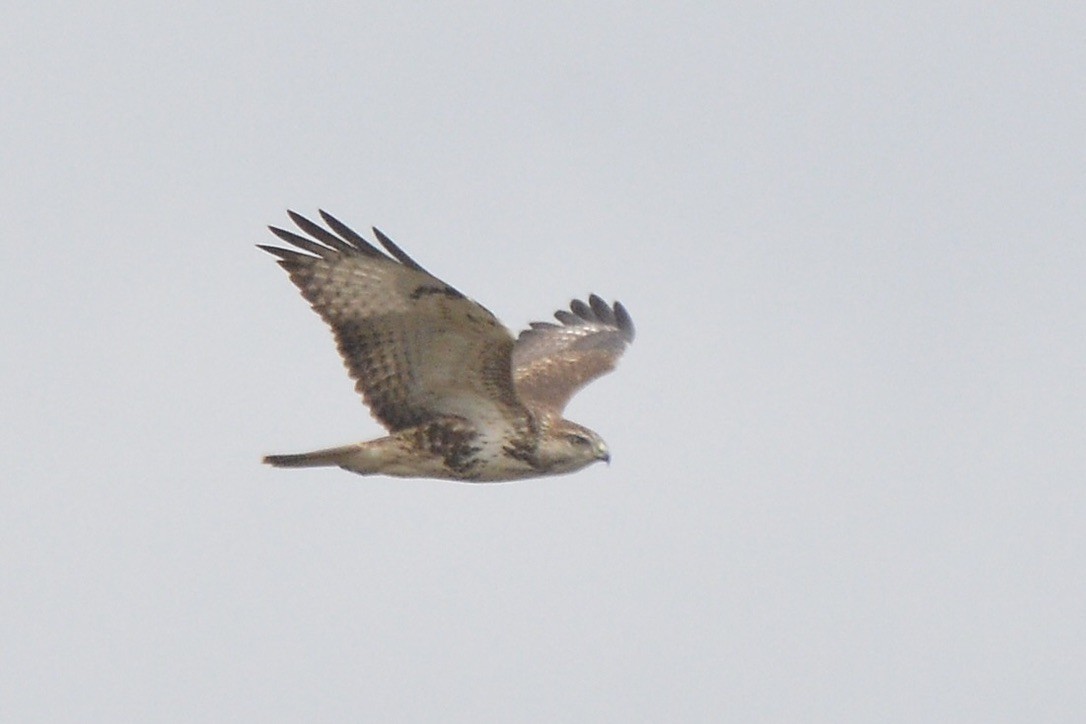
{"x":567,"y":446}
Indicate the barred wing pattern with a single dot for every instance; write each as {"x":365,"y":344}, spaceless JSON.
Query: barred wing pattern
{"x":416,"y":347}
{"x":552,"y":361}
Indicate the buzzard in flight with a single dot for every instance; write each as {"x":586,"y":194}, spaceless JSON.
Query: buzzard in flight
{"x":462,"y":398}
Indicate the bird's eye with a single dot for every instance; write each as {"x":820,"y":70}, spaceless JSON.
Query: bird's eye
{"x":580,"y":440}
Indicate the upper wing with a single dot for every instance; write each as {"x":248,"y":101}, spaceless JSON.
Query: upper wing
{"x":416,"y":347}
{"x":553,"y":361}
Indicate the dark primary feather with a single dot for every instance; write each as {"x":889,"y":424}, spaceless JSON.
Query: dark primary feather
{"x":321,"y":234}
{"x":349,"y":234}
{"x":301,"y":242}
{"x":582,"y":310}
{"x":396,"y":251}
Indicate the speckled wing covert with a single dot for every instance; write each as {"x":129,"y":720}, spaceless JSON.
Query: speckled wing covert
{"x":552,"y":361}
{"x":416,"y":347}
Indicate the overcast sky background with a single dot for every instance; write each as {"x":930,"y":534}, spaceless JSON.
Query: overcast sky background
{"x":849,"y":475}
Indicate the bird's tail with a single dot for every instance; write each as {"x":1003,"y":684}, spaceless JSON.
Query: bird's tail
{"x":329,"y":457}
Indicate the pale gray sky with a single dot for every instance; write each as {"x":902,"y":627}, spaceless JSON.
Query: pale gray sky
{"x":849,"y":477}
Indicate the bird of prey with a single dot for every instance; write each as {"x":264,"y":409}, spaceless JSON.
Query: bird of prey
{"x":462,"y":399}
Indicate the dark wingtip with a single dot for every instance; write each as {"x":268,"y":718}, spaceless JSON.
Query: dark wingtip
{"x":281,"y":233}
{"x":321,"y":234}
{"x":396,"y":251}
{"x":624,"y":321}
{"x":582,"y":310}
{"x":300,"y":242}
{"x":282,"y":253}
{"x":299,"y":220}
{"x":599,"y":311}
{"x":349,"y":234}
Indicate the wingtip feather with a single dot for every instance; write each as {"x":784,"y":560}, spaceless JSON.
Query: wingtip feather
{"x":396,"y":251}
{"x":600,"y":312}
{"x":601,"y":309}
{"x":624,"y":321}
{"x":582,"y":310}
{"x":321,"y":234}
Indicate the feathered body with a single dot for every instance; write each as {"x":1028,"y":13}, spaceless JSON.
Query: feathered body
{"x":461,"y":398}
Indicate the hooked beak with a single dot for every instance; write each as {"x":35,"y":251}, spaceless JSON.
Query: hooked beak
{"x":602,"y":453}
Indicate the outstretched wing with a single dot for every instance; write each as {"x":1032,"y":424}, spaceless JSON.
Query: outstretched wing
{"x":416,"y":347}
{"x":552,"y":361}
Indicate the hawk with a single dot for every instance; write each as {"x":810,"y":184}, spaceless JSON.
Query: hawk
{"x":461,"y":398}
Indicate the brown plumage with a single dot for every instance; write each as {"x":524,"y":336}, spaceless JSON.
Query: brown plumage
{"x":461,"y":398}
